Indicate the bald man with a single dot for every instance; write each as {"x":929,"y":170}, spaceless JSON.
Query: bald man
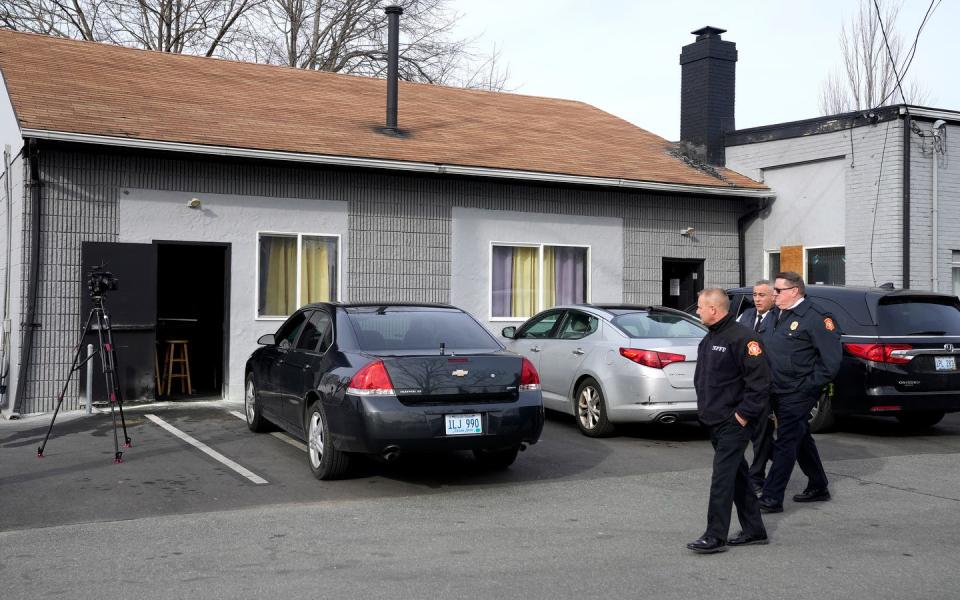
{"x":732,"y":380}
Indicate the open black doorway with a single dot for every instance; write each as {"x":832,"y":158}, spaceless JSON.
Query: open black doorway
{"x":682,"y":281}
{"x":193,"y":306}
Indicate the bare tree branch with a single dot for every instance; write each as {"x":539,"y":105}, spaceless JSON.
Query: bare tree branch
{"x":347,"y":36}
{"x":867,"y":78}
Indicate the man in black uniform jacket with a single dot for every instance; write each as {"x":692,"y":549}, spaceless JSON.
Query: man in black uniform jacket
{"x":758,"y":318}
{"x":732,"y":380}
{"x":805,"y":353}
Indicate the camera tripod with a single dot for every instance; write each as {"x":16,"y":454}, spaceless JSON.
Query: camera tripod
{"x":108,"y":362}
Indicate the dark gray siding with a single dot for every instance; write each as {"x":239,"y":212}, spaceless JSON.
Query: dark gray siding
{"x":399,"y":236}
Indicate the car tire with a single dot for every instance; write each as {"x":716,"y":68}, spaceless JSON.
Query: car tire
{"x":590,"y":410}
{"x":822,"y":418}
{"x":496,"y":459}
{"x":921,"y":419}
{"x":326,"y":462}
{"x":252,"y":407}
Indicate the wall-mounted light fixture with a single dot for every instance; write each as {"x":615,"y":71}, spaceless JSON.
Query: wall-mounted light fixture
{"x":688,"y":232}
{"x":194,"y":203}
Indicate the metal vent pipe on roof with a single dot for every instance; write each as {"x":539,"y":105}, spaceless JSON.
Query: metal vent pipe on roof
{"x":393,"y":60}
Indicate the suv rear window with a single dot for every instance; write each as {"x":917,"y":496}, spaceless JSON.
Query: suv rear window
{"x":380,"y":329}
{"x":658,"y":325}
{"x":920,"y":316}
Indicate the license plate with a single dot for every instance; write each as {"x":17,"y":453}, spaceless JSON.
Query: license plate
{"x":945,"y":363}
{"x":463,"y":424}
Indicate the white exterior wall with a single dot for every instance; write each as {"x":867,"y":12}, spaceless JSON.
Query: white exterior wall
{"x":474,"y":230}
{"x":148,"y":215}
{"x":10,"y":136}
{"x":921,"y":195}
{"x":865,"y":213}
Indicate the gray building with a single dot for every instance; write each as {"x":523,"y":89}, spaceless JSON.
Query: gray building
{"x":224,"y":195}
{"x":863,"y":198}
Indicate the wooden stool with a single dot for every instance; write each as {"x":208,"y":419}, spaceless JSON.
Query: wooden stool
{"x":183,"y":370}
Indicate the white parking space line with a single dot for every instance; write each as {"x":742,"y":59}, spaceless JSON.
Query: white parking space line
{"x":208,"y":450}
{"x":280,"y":436}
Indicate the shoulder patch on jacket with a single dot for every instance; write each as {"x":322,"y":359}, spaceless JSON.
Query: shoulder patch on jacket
{"x":829,"y":324}
{"x":753,"y":349}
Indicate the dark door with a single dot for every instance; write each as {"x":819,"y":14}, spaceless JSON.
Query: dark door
{"x":275,"y":368}
{"x":132,"y":308}
{"x":192,"y":305}
{"x":682,"y":281}
{"x":304,"y":365}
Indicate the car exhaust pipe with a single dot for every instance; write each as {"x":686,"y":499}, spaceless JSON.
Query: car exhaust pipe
{"x":667,"y":419}
{"x":391,"y":453}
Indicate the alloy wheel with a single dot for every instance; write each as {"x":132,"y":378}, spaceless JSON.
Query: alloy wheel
{"x":588,"y":407}
{"x":249,"y":401}
{"x":315,"y":439}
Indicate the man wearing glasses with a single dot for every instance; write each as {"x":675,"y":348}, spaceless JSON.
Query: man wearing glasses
{"x":758,"y":319}
{"x":804,"y":352}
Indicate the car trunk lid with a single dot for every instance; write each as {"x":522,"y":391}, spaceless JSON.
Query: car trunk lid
{"x":679,"y":374}
{"x":445,"y":379}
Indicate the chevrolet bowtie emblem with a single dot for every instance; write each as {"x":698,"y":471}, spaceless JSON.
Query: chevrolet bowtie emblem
{"x":459,"y":373}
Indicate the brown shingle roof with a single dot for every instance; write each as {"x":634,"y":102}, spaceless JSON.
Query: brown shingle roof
{"x":83,"y":87}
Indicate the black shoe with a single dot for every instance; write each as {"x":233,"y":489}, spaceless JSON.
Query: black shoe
{"x":743,"y":539}
{"x":813,"y":495}
{"x":769,"y":506}
{"x":708,"y":545}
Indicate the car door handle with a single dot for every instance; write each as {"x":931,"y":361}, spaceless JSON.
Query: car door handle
{"x":306,"y":367}
{"x":534,"y":348}
{"x":578,"y":351}
{"x":279,"y":361}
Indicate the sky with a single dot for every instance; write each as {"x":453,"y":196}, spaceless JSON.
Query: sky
{"x":622,"y":56}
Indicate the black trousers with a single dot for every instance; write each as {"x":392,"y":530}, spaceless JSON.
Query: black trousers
{"x":730,"y":484}
{"x":794,"y":445}
{"x":762,"y":440}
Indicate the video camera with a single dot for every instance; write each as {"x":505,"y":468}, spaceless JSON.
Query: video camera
{"x":99,"y":281}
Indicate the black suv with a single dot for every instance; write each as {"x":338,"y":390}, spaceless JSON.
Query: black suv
{"x":900,"y":353}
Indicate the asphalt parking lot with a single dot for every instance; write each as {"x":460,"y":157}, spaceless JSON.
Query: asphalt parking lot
{"x":573,"y":516}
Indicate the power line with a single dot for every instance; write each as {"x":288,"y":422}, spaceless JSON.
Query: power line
{"x":934,"y":4}
{"x":893,"y":62}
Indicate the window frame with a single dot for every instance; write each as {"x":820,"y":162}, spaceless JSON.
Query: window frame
{"x":954,"y":267}
{"x":806,"y":250}
{"x":540,"y":295}
{"x":299,"y":235}
{"x":766,"y":263}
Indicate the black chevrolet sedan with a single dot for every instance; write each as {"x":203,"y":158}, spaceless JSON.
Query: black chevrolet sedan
{"x":385,"y":379}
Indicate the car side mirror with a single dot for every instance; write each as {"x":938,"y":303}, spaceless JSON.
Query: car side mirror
{"x":509,"y":332}
{"x":266,"y":340}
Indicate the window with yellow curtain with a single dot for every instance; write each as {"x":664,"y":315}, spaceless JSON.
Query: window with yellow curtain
{"x":318,"y":269}
{"x":517,"y":288}
{"x":295,"y":270}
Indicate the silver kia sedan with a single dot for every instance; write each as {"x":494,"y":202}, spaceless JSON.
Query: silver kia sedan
{"x":609,"y":364}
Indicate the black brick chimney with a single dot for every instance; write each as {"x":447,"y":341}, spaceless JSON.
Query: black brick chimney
{"x":707,"y":91}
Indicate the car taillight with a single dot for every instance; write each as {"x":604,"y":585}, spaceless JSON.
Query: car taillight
{"x":651,"y":358}
{"x":529,"y":379}
{"x":371,"y":380}
{"x":881,"y":353}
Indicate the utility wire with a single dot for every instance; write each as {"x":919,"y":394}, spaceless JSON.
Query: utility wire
{"x":893,"y":63}
{"x":934,"y":4}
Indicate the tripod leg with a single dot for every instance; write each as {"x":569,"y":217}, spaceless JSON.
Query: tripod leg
{"x":109,"y":375}
{"x":73,"y":368}
{"x":117,"y":391}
